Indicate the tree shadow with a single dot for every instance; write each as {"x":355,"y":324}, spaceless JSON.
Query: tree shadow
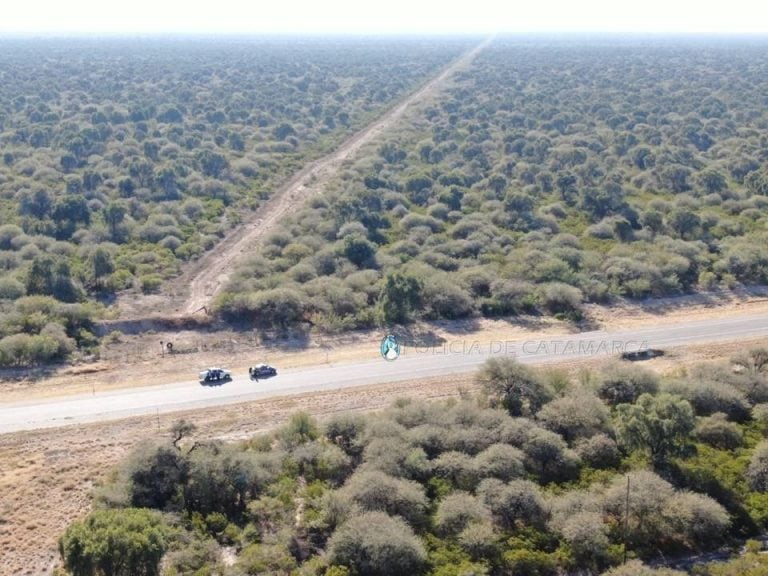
{"x":704,"y":482}
{"x":537,"y":322}
{"x":417,"y":337}
{"x":462,"y":326}
{"x":712,"y":299}
{"x":29,"y":373}
{"x":285,"y":339}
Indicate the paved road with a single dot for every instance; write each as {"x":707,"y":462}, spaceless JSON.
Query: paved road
{"x":461,"y":355}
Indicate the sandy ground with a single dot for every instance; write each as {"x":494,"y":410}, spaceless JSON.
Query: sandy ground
{"x":46,"y":477}
{"x":138,"y":360}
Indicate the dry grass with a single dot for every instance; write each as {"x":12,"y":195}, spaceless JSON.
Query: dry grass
{"x":137,"y":361}
{"x":46,"y":477}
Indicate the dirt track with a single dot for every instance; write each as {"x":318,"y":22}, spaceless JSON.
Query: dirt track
{"x":205,"y":278}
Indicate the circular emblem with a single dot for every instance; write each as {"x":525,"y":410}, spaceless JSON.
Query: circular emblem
{"x":390,"y":349}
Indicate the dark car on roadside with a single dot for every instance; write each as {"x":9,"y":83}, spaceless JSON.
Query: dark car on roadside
{"x":215,"y":376}
{"x":261,"y":371}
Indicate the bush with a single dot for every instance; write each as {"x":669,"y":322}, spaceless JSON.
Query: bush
{"x":515,"y":386}
{"x":587,"y":537}
{"x":548,"y":456}
{"x":150,"y":283}
{"x":637,"y":568}
{"x":648,"y":496}
{"x":11,"y":289}
{"x":600,"y":451}
{"x":697,"y":520}
{"x":346,"y":430}
{"x":301,"y":428}
{"x":128,"y":542}
{"x":266,"y":558}
{"x":401,"y":296}
{"x":531,"y":563}
{"x":222,"y":479}
{"x":516,"y":503}
{"x":479,"y":540}
{"x":372,"y":490}
{"x":457,"y":468}
{"x":457,"y":511}
{"x":375,"y":544}
{"x":196,"y":555}
{"x":430,"y":438}
{"x":276,"y":308}
{"x":660,"y":518}
{"x":359,"y":251}
{"x":760,"y":414}
{"x":624,"y":384}
{"x":659,"y":424}
{"x":500,"y":461}
{"x":709,"y":397}
{"x":469,"y":439}
{"x":444,"y":298}
{"x":396,"y":458}
{"x":29,"y":350}
{"x":716,"y":431}
{"x":563,"y":507}
{"x":510,"y":297}
{"x":757,"y":473}
{"x":577,"y":415}
{"x":321,"y":461}
{"x":562,"y":299}
{"x":156,"y":476}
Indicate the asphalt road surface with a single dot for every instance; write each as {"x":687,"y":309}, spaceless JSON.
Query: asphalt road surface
{"x":460,"y":355}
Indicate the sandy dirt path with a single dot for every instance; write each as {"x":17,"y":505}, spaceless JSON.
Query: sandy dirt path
{"x":205,"y":278}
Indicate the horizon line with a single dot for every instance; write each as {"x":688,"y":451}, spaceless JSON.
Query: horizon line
{"x":35,"y":34}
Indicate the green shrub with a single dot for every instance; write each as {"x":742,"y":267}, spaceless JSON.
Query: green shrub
{"x":637,"y":568}
{"x":377,"y":545}
{"x":531,"y":563}
{"x":757,"y":473}
{"x":716,"y":431}
{"x":457,"y":511}
{"x":576,"y":415}
{"x":500,"y":461}
{"x":150,"y":283}
{"x":346,"y":430}
{"x":128,"y":542}
{"x":599,"y":451}
{"x":562,"y":299}
{"x":11,"y":289}
{"x":514,"y":504}
{"x":457,"y":468}
{"x":375,"y":491}
{"x":624,"y":384}
{"x":515,"y":386}
{"x":266,"y":558}
{"x":709,"y":397}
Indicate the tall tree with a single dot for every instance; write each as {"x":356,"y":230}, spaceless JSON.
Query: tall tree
{"x":101,"y":264}
{"x":128,"y":542}
{"x":660,"y":424}
{"x":515,"y":386}
{"x":400,"y":297}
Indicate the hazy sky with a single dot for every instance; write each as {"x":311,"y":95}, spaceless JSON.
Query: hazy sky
{"x":383,"y":16}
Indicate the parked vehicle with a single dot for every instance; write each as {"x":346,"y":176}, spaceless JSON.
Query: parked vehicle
{"x":261,"y":371}
{"x":215,"y":376}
